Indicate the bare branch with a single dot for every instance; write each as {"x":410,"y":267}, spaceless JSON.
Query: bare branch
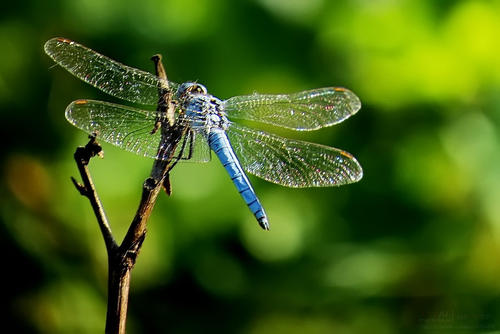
{"x":82,"y":157}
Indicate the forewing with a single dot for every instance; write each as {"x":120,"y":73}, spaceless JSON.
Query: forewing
{"x":108,"y":75}
{"x":308,"y":110}
{"x":292,"y":163}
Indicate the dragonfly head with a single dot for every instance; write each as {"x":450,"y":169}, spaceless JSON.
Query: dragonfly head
{"x":190,"y":88}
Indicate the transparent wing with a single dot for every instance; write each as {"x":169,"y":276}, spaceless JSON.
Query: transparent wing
{"x":292,"y":163}
{"x":122,"y":126}
{"x":308,"y":110}
{"x":108,"y":75}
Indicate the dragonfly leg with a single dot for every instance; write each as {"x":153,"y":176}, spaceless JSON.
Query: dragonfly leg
{"x":181,"y":150}
{"x":166,"y":185}
{"x":190,"y":147}
{"x":156,"y":126}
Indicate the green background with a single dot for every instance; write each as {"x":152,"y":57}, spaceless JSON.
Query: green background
{"x":413,"y":247}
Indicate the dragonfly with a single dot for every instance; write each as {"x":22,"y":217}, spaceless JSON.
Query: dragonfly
{"x":211,"y":124}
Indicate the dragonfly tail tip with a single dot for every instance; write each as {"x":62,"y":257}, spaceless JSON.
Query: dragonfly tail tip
{"x":264,"y":223}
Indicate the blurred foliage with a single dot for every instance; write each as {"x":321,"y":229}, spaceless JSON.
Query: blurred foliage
{"x":413,"y":247}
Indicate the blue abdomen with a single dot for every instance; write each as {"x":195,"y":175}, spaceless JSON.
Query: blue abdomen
{"x":219,"y":143}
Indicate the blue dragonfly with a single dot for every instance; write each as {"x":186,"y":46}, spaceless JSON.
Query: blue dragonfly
{"x":205,"y":118}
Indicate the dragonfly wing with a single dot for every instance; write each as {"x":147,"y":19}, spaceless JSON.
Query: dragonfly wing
{"x":122,"y":126}
{"x":308,"y":110}
{"x":292,"y":163}
{"x":130,"y":129}
{"x":108,"y":75}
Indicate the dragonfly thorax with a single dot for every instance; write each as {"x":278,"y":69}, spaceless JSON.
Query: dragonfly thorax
{"x":202,"y":110}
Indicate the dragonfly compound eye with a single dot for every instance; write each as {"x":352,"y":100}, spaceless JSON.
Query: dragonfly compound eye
{"x":190,"y":88}
{"x":198,"y":88}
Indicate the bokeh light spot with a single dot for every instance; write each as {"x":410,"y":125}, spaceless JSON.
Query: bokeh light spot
{"x":288,"y":216}
{"x":28,"y":180}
